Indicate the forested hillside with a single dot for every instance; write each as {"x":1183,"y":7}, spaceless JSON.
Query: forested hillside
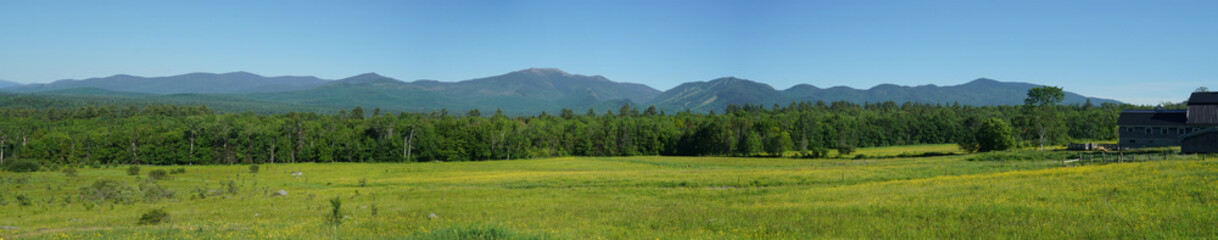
{"x":170,"y":134}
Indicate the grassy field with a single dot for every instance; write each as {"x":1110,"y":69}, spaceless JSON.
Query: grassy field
{"x":638,"y":198}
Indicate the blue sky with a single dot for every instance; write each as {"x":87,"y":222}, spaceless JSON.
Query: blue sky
{"x":1141,"y":52}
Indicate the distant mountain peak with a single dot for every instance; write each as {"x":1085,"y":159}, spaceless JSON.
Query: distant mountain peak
{"x":983,"y":80}
{"x":119,"y":76}
{"x":545,"y":71}
{"x":365,"y":78}
{"x":239,"y":73}
{"x":371,"y":75}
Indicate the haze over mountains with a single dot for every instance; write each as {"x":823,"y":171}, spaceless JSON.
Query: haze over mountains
{"x":4,"y":84}
{"x":528,"y":91}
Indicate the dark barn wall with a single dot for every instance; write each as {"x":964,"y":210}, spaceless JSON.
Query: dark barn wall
{"x":1201,"y":143}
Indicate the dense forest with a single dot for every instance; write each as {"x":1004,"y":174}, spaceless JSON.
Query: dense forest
{"x":172,"y":134}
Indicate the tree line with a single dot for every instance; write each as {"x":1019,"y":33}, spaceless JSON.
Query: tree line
{"x":173,"y":134}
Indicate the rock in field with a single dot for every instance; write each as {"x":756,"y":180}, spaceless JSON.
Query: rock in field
{"x":281,"y":192}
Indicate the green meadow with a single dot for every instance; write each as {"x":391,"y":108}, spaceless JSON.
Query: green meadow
{"x":633,"y":198}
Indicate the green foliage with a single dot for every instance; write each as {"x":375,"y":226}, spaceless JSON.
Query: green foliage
{"x":158,"y":174}
{"x":69,"y":172}
{"x":153,"y":217}
{"x":110,"y":190}
{"x":778,"y":142}
{"x":254,"y":168}
{"x":166,"y":134}
{"x":845,"y":149}
{"x":336,"y":215}
{"x":751,"y":145}
{"x":363,"y":182}
{"x":1044,"y":95}
{"x":153,"y":192}
{"x":994,"y":135}
{"x":23,"y":200}
{"x":178,"y":171}
{"x":22,"y":165}
{"x":133,"y":170}
{"x":230,"y":186}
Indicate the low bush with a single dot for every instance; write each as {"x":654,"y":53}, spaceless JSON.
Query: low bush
{"x":110,"y":190}
{"x":156,"y":216}
{"x":133,"y":170}
{"x":22,"y":165}
{"x":177,"y":171}
{"x":336,"y":215}
{"x":158,"y":174}
{"x":845,"y":149}
{"x":69,"y":171}
{"x":23,"y":200}
{"x":153,"y":192}
{"x":254,"y":168}
{"x":231,"y":186}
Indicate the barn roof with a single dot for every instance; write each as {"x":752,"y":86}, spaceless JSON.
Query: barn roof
{"x":1170,"y":117}
{"x":1203,"y":98}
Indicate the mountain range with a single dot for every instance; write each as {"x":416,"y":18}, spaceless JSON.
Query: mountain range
{"x":4,"y":84}
{"x":523,"y":92}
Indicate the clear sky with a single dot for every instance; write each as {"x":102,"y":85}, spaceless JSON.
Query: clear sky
{"x":1141,"y":52}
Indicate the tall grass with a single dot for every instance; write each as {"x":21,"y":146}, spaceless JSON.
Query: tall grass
{"x":642,"y":197}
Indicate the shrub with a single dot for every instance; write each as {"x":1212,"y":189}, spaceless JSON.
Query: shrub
{"x":133,"y":170}
{"x":70,"y":172}
{"x":363,"y":182}
{"x":22,"y":165}
{"x":153,"y":192}
{"x":845,"y":149}
{"x":177,"y":171}
{"x":254,"y":168}
{"x":336,"y":215}
{"x":158,"y":174}
{"x":155,"y":216}
{"x":109,"y":190}
{"x":23,"y":200}
{"x":231,"y":186}
{"x":994,"y":135}
{"x":200,"y":192}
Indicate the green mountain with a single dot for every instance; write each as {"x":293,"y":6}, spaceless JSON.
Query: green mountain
{"x":208,"y":83}
{"x":528,"y":91}
{"x":718,"y":93}
{"x":524,"y":92}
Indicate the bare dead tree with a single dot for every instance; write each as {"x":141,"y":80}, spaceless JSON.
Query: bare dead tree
{"x":408,"y":144}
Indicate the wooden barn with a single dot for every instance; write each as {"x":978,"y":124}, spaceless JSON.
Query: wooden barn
{"x":1194,"y":129}
{"x":1205,"y":141}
